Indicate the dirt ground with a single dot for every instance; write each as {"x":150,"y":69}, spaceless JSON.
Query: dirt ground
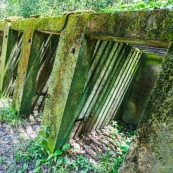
{"x":91,"y":145}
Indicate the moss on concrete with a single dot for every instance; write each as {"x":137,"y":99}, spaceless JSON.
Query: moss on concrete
{"x":2,"y":23}
{"x":146,"y":25}
{"x":60,"y":109}
{"x":141,"y":90}
{"x":151,"y":150}
{"x":65,"y":91}
{"x":54,"y":24}
{"x":22,"y":68}
{"x":6,"y":41}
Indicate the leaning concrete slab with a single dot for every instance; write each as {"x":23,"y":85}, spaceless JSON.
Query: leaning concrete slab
{"x":138,"y":97}
{"x":11,"y":61}
{"x":6,"y":41}
{"x":1,"y":41}
{"x":67,"y":83}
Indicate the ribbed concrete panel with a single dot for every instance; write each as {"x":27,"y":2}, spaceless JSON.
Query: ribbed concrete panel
{"x":112,"y":71}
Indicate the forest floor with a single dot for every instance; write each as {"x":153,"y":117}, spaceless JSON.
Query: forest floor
{"x":21,"y":151}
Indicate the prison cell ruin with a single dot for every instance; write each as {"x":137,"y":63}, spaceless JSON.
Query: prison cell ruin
{"x":83,"y":70}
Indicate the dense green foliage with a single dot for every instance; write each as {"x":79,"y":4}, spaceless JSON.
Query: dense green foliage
{"x":26,"y":8}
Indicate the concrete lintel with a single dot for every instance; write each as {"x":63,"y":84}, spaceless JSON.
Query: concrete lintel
{"x":154,"y":43}
{"x":54,"y":24}
{"x":143,"y":25}
{"x":49,"y":32}
{"x":154,"y":25}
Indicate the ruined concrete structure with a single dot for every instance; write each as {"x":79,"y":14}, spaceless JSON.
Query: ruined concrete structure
{"x":85,"y":70}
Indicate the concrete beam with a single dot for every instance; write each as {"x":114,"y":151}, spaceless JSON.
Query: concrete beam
{"x":151,"y":150}
{"x":142,"y":25}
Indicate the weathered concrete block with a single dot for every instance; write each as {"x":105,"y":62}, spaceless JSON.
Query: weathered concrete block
{"x":66,"y":84}
{"x":152,"y":149}
{"x":141,"y":90}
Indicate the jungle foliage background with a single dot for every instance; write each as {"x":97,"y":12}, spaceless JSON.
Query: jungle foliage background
{"x":26,"y":8}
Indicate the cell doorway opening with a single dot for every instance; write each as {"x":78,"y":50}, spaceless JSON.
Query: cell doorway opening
{"x":42,"y":56}
{"x":118,"y":87}
{"x":120,"y":79}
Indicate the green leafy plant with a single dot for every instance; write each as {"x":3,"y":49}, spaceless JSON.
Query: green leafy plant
{"x":33,"y":155}
{"x":8,"y":116}
{"x":81,"y":164}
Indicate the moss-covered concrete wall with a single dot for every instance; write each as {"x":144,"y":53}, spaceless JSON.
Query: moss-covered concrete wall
{"x":70,"y":70}
{"x":140,"y":93}
{"x":150,"y":27}
{"x":151,"y":150}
